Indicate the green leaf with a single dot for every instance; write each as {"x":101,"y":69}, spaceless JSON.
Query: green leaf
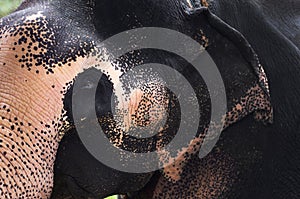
{"x":112,"y":197}
{"x":7,"y":6}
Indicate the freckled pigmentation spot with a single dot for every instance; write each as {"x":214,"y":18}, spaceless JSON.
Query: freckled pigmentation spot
{"x":204,"y":3}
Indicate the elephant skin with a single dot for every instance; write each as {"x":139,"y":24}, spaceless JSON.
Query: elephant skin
{"x":262,"y":160}
{"x":46,"y":45}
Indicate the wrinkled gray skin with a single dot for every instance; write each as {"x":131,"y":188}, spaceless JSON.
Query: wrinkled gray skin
{"x":41,"y":54}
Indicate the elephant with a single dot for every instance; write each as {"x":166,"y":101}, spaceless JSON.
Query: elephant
{"x":47,"y":46}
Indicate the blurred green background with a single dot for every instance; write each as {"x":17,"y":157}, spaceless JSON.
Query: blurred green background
{"x":6,"y":7}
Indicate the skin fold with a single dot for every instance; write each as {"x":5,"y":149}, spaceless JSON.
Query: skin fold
{"x":46,"y":45}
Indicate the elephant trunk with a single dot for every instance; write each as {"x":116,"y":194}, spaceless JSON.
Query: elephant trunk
{"x":29,"y":120}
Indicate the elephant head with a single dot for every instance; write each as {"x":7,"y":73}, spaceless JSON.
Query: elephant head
{"x":46,"y":46}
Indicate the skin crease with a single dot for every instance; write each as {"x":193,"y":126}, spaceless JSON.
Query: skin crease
{"x":46,"y":59}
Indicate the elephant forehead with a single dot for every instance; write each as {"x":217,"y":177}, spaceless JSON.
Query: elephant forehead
{"x":37,"y":46}
{"x":42,"y":46}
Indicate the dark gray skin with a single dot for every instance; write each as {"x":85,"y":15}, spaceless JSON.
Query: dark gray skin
{"x":91,"y":177}
{"x":249,"y":153}
{"x":266,"y":158}
{"x":272,"y":28}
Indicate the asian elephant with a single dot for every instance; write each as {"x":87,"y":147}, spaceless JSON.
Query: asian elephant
{"x":47,"y":45}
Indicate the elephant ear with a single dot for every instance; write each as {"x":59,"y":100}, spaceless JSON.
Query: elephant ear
{"x":255,"y":95}
{"x":244,"y":78}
